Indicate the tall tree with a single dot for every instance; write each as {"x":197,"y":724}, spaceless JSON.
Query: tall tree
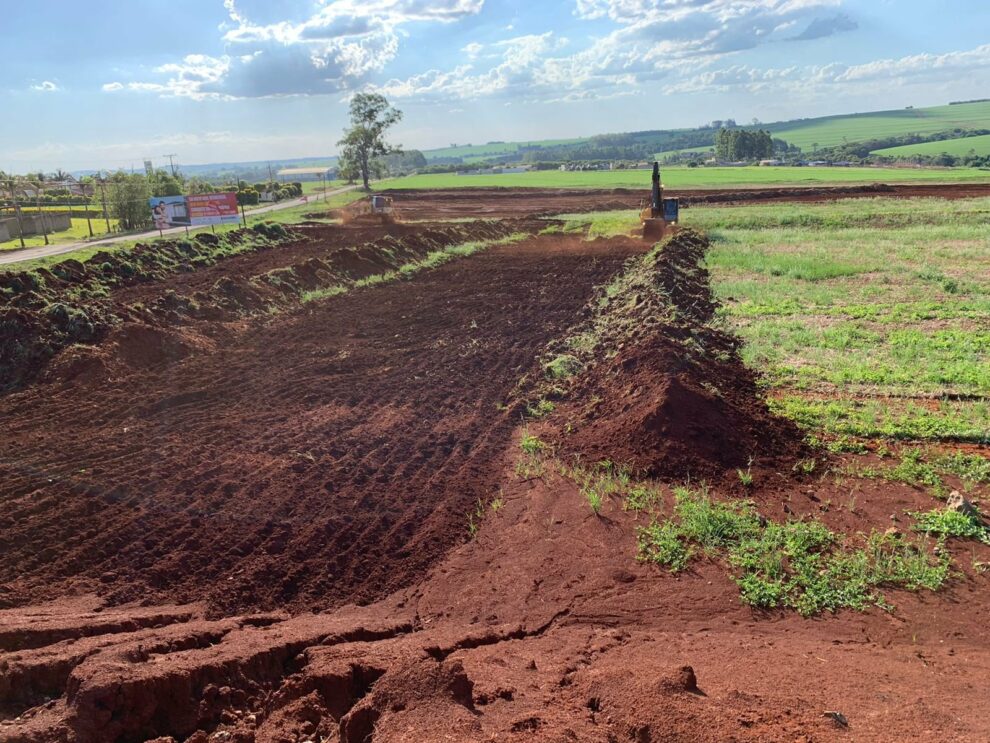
{"x":128,"y":195}
{"x":364,"y":142}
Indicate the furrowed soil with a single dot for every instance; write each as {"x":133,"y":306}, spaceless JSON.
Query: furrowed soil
{"x":327,"y":456}
{"x":234,"y":517}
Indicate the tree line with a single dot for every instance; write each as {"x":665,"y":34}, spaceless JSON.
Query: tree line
{"x":743,"y":144}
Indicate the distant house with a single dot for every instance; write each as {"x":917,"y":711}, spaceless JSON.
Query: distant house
{"x":771,"y":162}
{"x":290,"y":175}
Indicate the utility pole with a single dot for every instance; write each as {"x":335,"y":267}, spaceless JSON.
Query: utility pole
{"x":103,"y":198}
{"x":89,"y":203}
{"x":41,"y":215}
{"x":171,"y":165}
{"x":20,"y":225}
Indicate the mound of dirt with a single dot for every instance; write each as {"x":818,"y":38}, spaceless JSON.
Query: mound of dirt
{"x":668,"y":394}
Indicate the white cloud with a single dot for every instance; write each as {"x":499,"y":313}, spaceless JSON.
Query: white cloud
{"x":332,"y":50}
{"x":872,"y":77}
{"x":112,"y":87}
{"x":46,"y":86}
{"x":670,"y":40}
{"x":473,"y":49}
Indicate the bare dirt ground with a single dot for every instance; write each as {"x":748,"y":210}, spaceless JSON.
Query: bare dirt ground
{"x":489,"y":203}
{"x":229,"y":525}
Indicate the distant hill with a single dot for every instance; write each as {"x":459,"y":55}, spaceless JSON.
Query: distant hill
{"x":250,"y":170}
{"x":830,"y":131}
{"x":826,"y":131}
{"x":956,"y":147}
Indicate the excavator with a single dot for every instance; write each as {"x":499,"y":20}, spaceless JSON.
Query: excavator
{"x":658,"y":215}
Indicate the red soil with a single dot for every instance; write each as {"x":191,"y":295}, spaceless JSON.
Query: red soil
{"x":287,"y":464}
{"x":332,"y":453}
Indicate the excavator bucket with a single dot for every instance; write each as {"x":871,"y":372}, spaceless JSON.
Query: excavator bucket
{"x":654,"y":229}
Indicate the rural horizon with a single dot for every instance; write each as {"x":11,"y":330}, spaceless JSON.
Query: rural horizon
{"x":429,"y":147}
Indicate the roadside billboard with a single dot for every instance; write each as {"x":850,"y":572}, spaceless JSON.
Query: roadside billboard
{"x":194,"y":211}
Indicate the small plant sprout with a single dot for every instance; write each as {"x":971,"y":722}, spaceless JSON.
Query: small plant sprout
{"x":498,"y":502}
{"x":540,"y":408}
{"x":746,"y":476}
{"x":475,"y":518}
{"x":595,"y":501}
{"x":531,"y":445}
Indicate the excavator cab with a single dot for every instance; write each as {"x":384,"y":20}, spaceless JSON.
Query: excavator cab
{"x":659,"y":216}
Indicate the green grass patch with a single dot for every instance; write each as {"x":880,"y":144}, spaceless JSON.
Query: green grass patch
{"x":79,"y":230}
{"x":867,"y":317}
{"x":949,"y":524}
{"x":979,"y":145}
{"x":800,"y":565}
{"x":597,"y":224}
{"x":894,"y":419}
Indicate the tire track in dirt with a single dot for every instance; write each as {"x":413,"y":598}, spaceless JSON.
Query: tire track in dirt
{"x":327,"y":456}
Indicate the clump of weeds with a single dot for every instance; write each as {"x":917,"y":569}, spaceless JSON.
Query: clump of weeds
{"x":799,"y":564}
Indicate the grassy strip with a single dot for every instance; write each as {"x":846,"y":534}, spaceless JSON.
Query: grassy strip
{"x":949,"y":421}
{"x":432,"y":260}
{"x":596,"y":224}
{"x":800,"y":565}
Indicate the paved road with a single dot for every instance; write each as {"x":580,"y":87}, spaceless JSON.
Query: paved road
{"x":43,"y":251}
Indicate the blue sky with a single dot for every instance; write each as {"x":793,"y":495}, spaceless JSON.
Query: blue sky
{"x":110,"y":82}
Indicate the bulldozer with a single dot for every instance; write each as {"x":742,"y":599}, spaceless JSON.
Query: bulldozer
{"x":658,"y":215}
{"x":375,"y":208}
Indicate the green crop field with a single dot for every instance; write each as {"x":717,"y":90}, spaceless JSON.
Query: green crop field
{"x":835,"y":130}
{"x":687,"y":178}
{"x":958,"y":147}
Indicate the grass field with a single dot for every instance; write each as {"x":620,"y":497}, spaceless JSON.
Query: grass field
{"x":686,"y":178}
{"x":835,"y":130}
{"x":869,"y":318}
{"x":958,"y":147}
{"x":79,"y":231}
